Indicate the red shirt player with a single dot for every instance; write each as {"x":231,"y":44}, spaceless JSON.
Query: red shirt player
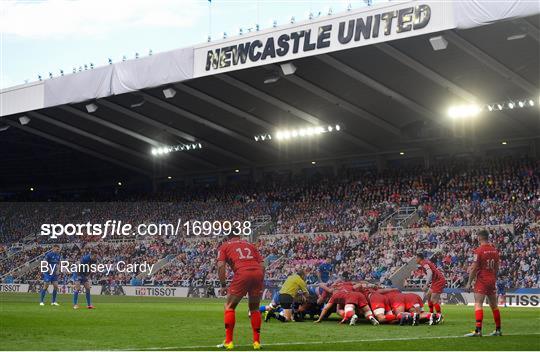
{"x":247,"y":264}
{"x":350,"y":302}
{"x":484,"y":270}
{"x":435,"y":283}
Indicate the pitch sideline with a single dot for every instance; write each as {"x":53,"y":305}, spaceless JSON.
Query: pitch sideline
{"x":317,"y":342}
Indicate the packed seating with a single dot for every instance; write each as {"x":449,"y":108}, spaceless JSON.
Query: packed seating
{"x":320,"y":217}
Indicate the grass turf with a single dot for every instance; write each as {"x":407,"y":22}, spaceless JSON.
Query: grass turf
{"x":196,"y":324}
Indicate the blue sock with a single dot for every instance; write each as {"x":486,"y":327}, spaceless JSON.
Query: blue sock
{"x":54,"y":291}
{"x":42,"y":295}
{"x":88,"y":302}
{"x":262,"y":309}
{"x":75,"y":297}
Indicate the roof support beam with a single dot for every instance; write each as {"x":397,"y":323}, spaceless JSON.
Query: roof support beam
{"x":531,"y":30}
{"x":108,"y":124}
{"x":490,"y":62}
{"x":86,"y":134}
{"x":426,"y":72}
{"x":201,"y":120}
{"x":289,"y":108}
{"x":145,"y":119}
{"x":355,"y":110}
{"x":95,"y":138}
{"x":437,"y":78}
{"x":142,"y":118}
{"x":370,"y":82}
{"x":169,"y":129}
{"x":227,"y":107}
{"x":75,"y":147}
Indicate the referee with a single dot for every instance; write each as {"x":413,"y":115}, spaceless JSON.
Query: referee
{"x":295,"y":283}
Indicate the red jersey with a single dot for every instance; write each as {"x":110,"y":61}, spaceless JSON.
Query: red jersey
{"x":487,"y":258}
{"x":339,"y":297}
{"x":365,"y":290}
{"x":343,"y":285}
{"x":437,"y":275}
{"x":239,"y":254}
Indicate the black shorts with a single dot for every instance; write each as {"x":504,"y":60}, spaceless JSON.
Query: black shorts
{"x":285,"y":300}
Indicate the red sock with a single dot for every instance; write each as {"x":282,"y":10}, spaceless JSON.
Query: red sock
{"x":437,"y":307}
{"x":348,"y":314}
{"x":430,"y":305}
{"x":497,"y":318}
{"x":479,"y":314}
{"x":230,"y":320}
{"x":256,"y":325}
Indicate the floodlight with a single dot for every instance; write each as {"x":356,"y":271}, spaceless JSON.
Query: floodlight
{"x":463,"y":111}
{"x":521,"y":104}
{"x":438,"y":43}
{"x":531,"y":102}
{"x":271,"y":78}
{"x":169,"y":93}
{"x":511,"y":105}
{"x":91,"y":107}
{"x":516,"y":36}
{"x":288,"y":69}
{"x":24,"y":120}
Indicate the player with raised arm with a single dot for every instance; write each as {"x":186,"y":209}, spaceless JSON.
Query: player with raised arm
{"x":248,"y":268}
{"x":434,"y":286}
{"x":81,"y":277}
{"x":484,"y":271}
{"x":51,"y":275}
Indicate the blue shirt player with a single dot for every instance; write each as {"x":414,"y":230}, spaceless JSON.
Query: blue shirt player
{"x":325,"y":269}
{"x":502,"y":285}
{"x":50,"y":276}
{"x":81,"y":277}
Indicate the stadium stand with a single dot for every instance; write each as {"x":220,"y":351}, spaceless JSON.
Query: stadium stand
{"x":316,"y":218}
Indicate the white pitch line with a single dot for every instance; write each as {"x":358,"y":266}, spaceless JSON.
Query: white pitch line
{"x":318,"y":342}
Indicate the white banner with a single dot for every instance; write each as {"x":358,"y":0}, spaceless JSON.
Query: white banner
{"x":155,"y":291}
{"x":68,"y":289}
{"x":17,"y":288}
{"x":343,"y":31}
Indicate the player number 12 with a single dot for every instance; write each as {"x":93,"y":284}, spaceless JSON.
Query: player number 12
{"x":241,"y":253}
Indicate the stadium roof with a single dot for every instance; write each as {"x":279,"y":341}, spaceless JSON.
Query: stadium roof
{"x":389,"y":95}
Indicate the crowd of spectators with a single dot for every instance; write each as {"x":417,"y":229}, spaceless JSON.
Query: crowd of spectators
{"x":322,"y":217}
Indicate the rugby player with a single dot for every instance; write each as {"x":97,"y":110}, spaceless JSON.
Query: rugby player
{"x":350,"y":301}
{"x":248,"y":268}
{"x":484,"y":271}
{"x":435,"y":283}
{"x":51,"y":276}
{"x":82,"y":277}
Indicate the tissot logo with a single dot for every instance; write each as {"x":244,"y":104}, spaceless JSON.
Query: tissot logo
{"x":384,"y":24}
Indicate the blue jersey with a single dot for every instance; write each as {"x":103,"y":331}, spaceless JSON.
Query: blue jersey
{"x":325,"y":269}
{"x":82,"y":274}
{"x":53,"y":261}
{"x":501,"y":287}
